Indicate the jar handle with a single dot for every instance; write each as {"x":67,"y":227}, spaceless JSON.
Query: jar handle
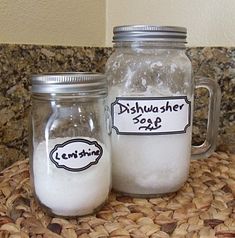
{"x":208,"y":146}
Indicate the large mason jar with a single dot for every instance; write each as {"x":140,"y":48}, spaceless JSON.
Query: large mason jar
{"x":151,"y":91}
{"x":70,"y":147}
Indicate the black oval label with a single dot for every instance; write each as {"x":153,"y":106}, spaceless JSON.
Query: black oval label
{"x":76,"y":155}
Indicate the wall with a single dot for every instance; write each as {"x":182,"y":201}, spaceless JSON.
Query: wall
{"x":209,"y":22}
{"x":53,"y":22}
{"x":90,"y":22}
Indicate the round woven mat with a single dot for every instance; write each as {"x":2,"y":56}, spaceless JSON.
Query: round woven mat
{"x":204,"y":207}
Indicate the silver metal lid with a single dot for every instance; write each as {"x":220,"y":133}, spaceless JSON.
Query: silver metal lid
{"x":149,"y":33}
{"x":72,"y":82}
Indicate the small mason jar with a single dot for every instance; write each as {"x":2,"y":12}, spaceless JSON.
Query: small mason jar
{"x":151,"y":94}
{"x":70,"y":147}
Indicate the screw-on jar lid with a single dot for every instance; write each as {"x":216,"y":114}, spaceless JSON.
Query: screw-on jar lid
{"x":72,"y":82}
{"x":149,"y":33}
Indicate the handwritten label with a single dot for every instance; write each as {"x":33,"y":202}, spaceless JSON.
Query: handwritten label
{"x":151,"y":115}
{"x":76,"y":155}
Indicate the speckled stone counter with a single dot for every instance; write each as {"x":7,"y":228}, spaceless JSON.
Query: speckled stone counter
{"x":18,"y":62}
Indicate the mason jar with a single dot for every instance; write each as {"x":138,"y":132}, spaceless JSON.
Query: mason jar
{"x":70,"y":147}
{"x":151,"y":98}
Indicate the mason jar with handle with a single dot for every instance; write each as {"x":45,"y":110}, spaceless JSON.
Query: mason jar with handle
{"x":151,"y":99}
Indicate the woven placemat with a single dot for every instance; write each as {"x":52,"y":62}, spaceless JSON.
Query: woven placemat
{"x":204,"y":207}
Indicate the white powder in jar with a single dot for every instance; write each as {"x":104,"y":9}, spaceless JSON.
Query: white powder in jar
{"x":69,"y":193}
{"x":148,"y":164}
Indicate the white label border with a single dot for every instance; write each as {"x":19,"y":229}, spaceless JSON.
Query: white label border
{"x":151,"y":98}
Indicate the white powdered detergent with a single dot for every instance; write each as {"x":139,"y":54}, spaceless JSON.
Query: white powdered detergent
{"x":151,"y":141}
{"x":152,"y":164}
{"x":71,"y":176}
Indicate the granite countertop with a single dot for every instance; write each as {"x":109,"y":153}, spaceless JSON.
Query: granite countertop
{"x":203,"y":207}
{"x":18,"y":62}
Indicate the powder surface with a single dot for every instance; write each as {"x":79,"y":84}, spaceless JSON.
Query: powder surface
{"x":69,"y":193}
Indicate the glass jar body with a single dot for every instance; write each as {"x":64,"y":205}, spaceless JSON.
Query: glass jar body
{"x":70,"y":153}
{"x":150,"y":85}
